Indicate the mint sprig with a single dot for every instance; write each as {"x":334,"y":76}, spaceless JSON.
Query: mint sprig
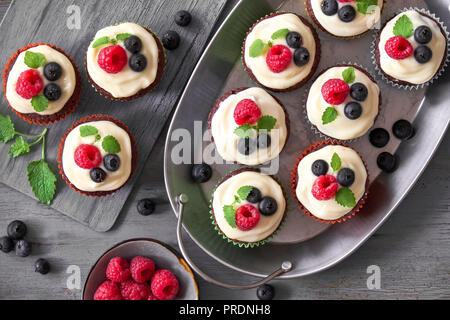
{"x":110,"y":144}
{"x":106,"y":40}
{"x":245,"y":131}
{"x":404,"y":27}
{"x":266,"y":123}
{"x":229,"y":211}
{"x":336,"y":162}
{"x":329,"y":115}
{"x":244,"y":191}
{"x":7,"y":131}
{"x":345,"y":197}
{"x":19,"y":148}
{"x":100,"y":41}
{"x":282,"y":33}
{"x":256,"y":48}
{"x":87,"y":130}
{"x":349,"y":75}
{"x":39,"y":103}
{"x":230,"y":215}
{"x":123,"y":36}
{"x":34,"y":60}
{"x":366,"y":6}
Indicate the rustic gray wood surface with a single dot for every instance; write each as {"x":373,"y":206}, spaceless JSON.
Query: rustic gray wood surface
{"x":411,"y":249}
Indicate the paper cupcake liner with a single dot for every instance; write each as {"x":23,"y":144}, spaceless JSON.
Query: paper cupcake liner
{"x":306,"y":94}
{"x":70,"y":105}
{"x":294,"y":181}
{"x":159,"y":75}
{"x":317,"y":57}
{"x":444,"y":62}
{"x":242,"y":244}
{"x":97,"y":117}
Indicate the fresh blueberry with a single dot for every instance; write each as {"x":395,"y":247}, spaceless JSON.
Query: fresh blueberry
{"x":133,"y":44}
{"x":138,"y":62}
{"x":353,"y":110}
{"x":423,"y":34}
{"x":265,"y":292}
{"x":52,"y":71}
{"x":329,"y":7}
{"x":387,"y":162}
{"x":183,"y":18}
{"x":146,"y":207}
{"x":423,"y":54}
{"x":201,"y":173}
{"x":23,"y":248}
{"x":42,"y":266}
{"x":379,"y":137}
{"x":263,"y":140}
{"x":111,"y":162}
{"x":254,"y":196}
{"x":171,"y":40}
{"x":246,"y":146}
{"x":268,"y":206}
{"x":319,"y":168}
{"x":52,"y":92}
{"x":403,"y":130}
{"x":358,"y":91}
{"x":301,"y":56}
{"x":6,"y":244}
{"x":98,"y":175}
{"x":294,"y":40}
{"x":347,"y":13}
{"x":17,"y":230}
{"x":346,"y":177}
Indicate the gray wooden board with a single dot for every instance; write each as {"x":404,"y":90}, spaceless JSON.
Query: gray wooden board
{"x":29,"y":21}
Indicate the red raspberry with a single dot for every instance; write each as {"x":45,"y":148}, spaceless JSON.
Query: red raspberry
{"x":108,"y":291}
{"x":164,"y":285}
{"x":278,"y":58}
{"x":335,"y":91}
{"x":118,"y":270}
{"x":325,"y":187}
{"x":131,"y":290}
{"x":398,"y":48}
{"x":247,"y":217}
{"x":29,"y":84}
{"x":344,"y":1}
{"x":247,"y":111}
{"x":142,"y":269}
{"x":112,"y":59}
{"x":151,"y":297}
{"x":87,"y":156}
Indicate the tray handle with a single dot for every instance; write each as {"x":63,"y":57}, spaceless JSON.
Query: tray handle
{"x":182,"y":199}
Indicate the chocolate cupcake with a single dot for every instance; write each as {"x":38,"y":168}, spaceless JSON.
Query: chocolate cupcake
{"x":125,"y":61}
{"x":248,"y":207}
{"x":97,"y":156}
{"x":249,"y":126}
{"x":41,"y":83}
{"x":281,"y":51}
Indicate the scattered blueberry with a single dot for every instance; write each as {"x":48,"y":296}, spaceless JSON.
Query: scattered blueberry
{"x":42,"y":266}
{"x":111,"y":162}
{"x":423,"y":34}
{"x":379,"y":137}
{"x":347,"y":13}
{"x":183,"y":18}
{"x":138,"y":62}
{"x":353,"y":110}
{"x":358,"y":91}
{"x":6,"y":244}
{"x":254,"y":196}
{"x":23,"y":248}
{"x":98,"y":175}
{"x":268,"y":206}
{"x":133,"y":44}
{"x":319,"y":168}
{"x":294,"y":40}
{"x":171,"y":40}
{"x":146,"y":207}
{"x":52,"y":71}
{"x":423,"y":54}
{"x":387,"y":162}
{"x":263,"y":140}
{"x":265,"y":292}
{"x":201,"y":173}
{"x":17,"y":230}
{"x":301,"y":56}
{"x":403,"y":130}
{"x":329,"y":7}
{"x":246,"y":146}
{"x":346,"y":177}
{"x":52,"y":92}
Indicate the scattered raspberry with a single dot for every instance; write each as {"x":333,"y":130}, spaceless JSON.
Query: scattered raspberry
{"x":247,"y":111}
{"x":108,"y":291}
{"x":118,"y":270}
{"x":29,"y":84}
{"x":278,"y":58}
{"x":142,"y":269}
{"x":335,"y":91}
{"x":131,"y":290}
{"x":164,"y":285}
{"x":247,"y":217}
{"x":87,"y":156}
{"x":325,"y":187}
{"x":112,"y":59}
{"x":398,"y":48}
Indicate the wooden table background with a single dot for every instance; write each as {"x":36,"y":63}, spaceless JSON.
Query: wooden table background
{"x":412,"y":249}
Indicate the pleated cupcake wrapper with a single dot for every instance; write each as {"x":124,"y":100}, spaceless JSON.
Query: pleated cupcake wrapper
{"x":236,"y":242}
{"x":438,"y":73}
{"x":294,"y":182}
{"x":124,"y":99}
{"x":76,"y":94}
{"x":305,"y":98}
{"x":93,"y":118}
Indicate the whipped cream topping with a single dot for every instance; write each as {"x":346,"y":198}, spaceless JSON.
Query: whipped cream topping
{"x":80,"y":177}
{"x":224,"y":195}
{"x":329,"y":209}
{"x":127,"y":82}
{"x":67,"y":81}
{"x":292,"y":74}
{"x":409,"y":69}
{"x":343,"y":128}
{"x":223,"y":126}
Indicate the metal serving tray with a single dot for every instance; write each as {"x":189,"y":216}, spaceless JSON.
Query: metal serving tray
{"x":309,"y":245}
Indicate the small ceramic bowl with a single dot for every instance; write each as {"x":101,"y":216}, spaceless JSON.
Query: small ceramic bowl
{"x":163,"y":255}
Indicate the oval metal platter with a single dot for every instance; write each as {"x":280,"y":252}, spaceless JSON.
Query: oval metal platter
{"x":311,"y":246}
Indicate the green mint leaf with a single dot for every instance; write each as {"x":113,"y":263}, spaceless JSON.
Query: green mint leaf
{"x":282,"y":33}
{"x":345,"y":197}
{"x":266,"y":123}
{"x":19,"y":148}
{"x":110,"y":144}
{"x":245,"y":131}
{"x":34,"y":60}
{"x":98,"y":137}
{"x":237,"y":200}
{"x":7,"y":131}
{"x":366,"y":6}
{"x":335,"y":162}
{"x":329,"y":115}
{"x":86,"y":131}
{"x":257,"y":48}
{"x":100,"y":41}
{"x":349,"y":75}
{"x":230,"y":215}
{"x":42,"y":181}
{"x":123,"y":36}
{"x":404,"y":27}
{"x":39,"y":103}
{"x":270,"y":44}
{"x":244,"y":191}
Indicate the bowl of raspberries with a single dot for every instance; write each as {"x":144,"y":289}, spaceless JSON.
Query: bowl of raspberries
{"x":140,"y":269}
